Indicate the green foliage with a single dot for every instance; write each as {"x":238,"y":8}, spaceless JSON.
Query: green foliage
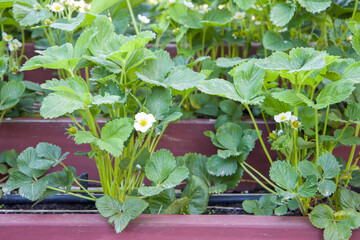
{"x":337,"y":225}
{"x":113,"y":136}
{"x":10,"y":94}
{"x":161,"y":170}
{"x":119,"y":213}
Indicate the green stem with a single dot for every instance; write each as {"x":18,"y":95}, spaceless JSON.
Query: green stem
{"x":259,"y":135}
{"x":2,"y":116}
{"x":70,"y":193}
{"x":352,"y":18}
{"x":316,"y":135}
{"x":3,"y":179}
{"x":258,"y":173}
{"x":132,"y":16}
{"x":257,"y":180}
{"x":326,"y":119}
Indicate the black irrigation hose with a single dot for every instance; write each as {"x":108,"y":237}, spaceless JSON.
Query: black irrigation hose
{"x":69,"y":199}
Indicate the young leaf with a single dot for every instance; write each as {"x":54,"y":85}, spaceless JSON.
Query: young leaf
{"x":50,"y":152}
{"x":10,"y":93}
{"x":120,"y":214}
{"x":307,"y":169}
{"x":29,"y":159}
{"x":160,"y":166}
{"x":248,"y":81}
{"x":284,"y":175}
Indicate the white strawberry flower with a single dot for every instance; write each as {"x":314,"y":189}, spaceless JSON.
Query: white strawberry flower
{"x":282,"y":117}
{"x":143,"y":121}
{"x":14,"y":45}
{"x":7,"y":37}
{"x":57,"y":7}
{"x":172,"y":1}
{"x":293,"y":118}
{"x":143,"y":19}
{"x":189,"y":4}
{"x":239,"y":15}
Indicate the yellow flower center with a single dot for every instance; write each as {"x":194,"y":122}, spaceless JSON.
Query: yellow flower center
{"x":272,"y":135}
{"x":240,"y":16}
{"x":57,"y":8}
{"x":283,"y":118}
{"x":295,"y":124}
{"x":143,"y":123}
{"x":8,"y":37}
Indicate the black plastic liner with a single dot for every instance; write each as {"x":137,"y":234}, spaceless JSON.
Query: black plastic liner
{"x":69,"y":199}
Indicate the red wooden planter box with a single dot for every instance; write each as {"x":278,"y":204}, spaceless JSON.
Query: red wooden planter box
{"x":180,"y":138}
{"x":156,"y":227}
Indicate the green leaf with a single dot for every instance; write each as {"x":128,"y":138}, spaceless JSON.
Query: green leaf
{"x":97,"y":6}
{"x":216,"y":17}
{"x":156,"y":70}
{"x":106,"y":99}
{"x":281,"y":210}
{"x":284,"y":175}
{"x":220,"y":88}
{"x":245,"y":4}
{"x":82,"y":137}
{"x":309,"y":188}
{"x":263,"y":206}
{"x":221,"y":167}
{"x":182,"y":78}
{"x":10,"y":93}
{"x":352,"y":73}
{"x":273,"y":106}
{"x":348,"y":200}
{"x":50,"y":152}
{"x":179,"y":206}
{"x":33,"y":190}
{"x":120,"y":214}
{"x":315,"y":6}
{"x":321,"y":216}
{"x":281,"y":14}
{"x":171,"y":117}
{"x":326,"y":187}
{"x":114,"y":134}
{"x":275,"y":42}
{"x":229,"y":136}
{"x":158,"y":102}
{"x":229,"y":62}
{"x":298,"y":60}
{"x":293,"y":98}
{"x":185,"y":16}
{"x":337,"y":231}
{"x":352,"y":111}
{"x":334,"y":92}
{"x":329,"y":165}
{"x":176,"y":177}
{"x":15,"y":181}
{"x":28,"y":16}
{"x":307,"y":169}
{"x":62,"y":179}
{"x":74,"y":23}
{"x":196,"y":163}
{"x":248,"y":81}
{"x":232,"y":181}
{"x":198,"y":193}
{"x":29,"y":159}
{"x":59,"y":103}
{"x":160,"y":166}
{"x":162,"y":201}
{"x":54,"y":57}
